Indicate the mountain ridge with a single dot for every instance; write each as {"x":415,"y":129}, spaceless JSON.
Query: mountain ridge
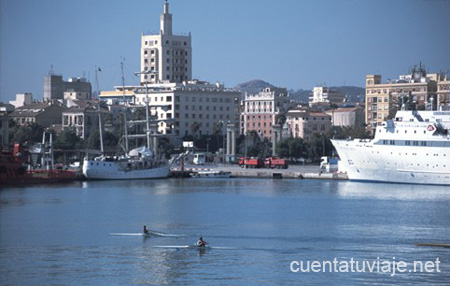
{"x":353,"y":93}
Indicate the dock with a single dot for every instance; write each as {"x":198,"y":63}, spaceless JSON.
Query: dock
{"x":293,"y":172}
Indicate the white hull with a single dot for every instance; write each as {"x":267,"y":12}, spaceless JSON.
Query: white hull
{"x":105,"y":170}
{"x":396,"y":164}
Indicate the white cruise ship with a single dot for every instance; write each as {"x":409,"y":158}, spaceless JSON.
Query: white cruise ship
{"x":414,"y":147}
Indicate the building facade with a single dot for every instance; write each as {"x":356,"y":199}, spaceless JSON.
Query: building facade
{"x":381,"y":98}
{"x":22,"y":99}
{"x":443,"y":94}
{"x":304,"y":123}
{"x":42,"y":113}
{"x":188,"y":108}
{"x":82,"y":120}
{"x":323,"y":97}
{"x":347,"y":116}
{"x":55,"y":87}
{"x":260,"y":110}
{"x":165,"y":56}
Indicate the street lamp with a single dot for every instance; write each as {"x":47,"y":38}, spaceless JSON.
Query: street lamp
{"x":223,"y":123}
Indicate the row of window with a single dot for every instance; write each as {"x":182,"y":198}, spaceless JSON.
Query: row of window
{"x":259,"y":110}
{"x":307,"y":118}
{"x":259,"y":117}
{"x":207,"y":99}
{"x":200,"y":107}
{"x":200,"y":116}
{"x":404,"y":142}
{"x":174,"y":43}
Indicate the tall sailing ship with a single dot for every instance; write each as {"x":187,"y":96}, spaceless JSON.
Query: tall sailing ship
{"x":413,"y":147}
{"x":138,"y":163}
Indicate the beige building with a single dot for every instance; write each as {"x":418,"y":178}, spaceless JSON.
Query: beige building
{"x":323,"y":97}
{"x":381,"y":97}
{"x":443,"y":94}
{"x":180,"y":105}
{"x":260,"y":110}
{"x":165,"y":56}
{"x":44,"y":114}
{"x":82,"y":119}
{"x":304,"y":123}
{"x":347,"y":116}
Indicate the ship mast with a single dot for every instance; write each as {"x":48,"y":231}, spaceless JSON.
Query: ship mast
{"x":99,"y":113}
{"x":125,"y":110}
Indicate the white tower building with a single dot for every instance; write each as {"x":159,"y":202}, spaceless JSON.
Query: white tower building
{"x":166,"y":57}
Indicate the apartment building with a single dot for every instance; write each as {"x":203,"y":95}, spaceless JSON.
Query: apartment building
{"x":381,"y":97}
{"x":55,"y":87}
{"x":82,"y":120}
{"x":42,"y":113}
{"x":304,"y":123}
{"x":347,"y":116}
{"x":260,"y":110}
{"x":443,"y":94}
{"x":179,"y":106}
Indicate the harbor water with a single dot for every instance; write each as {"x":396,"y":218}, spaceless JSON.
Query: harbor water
{"x":60,"y":234}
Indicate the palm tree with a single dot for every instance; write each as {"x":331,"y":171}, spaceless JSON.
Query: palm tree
{"x":195,"y":126}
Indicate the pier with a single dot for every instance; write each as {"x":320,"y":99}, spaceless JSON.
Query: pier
{"x":293,"y":172}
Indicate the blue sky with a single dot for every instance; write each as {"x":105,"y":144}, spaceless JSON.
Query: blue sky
{"x":289,"y":43}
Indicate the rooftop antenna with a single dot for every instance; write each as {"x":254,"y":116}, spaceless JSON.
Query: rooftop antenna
{"x":51,"y":72}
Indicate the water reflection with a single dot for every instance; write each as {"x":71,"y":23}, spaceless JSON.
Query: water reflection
{"x":382,"y":191}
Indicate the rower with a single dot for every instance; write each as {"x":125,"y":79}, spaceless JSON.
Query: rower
{"x":145,"y":229}
{"x":201,"y":242}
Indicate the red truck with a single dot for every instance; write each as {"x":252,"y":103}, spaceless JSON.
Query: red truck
{"x":251,"y":163}
{"x":274,"y":162}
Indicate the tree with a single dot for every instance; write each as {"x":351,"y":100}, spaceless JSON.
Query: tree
{"x":351,"y":132}
{"x":68,"y":140}
{"x":319,"y":145}
{"x":292,"y":148}
{"x":31,"y":132}
{"x":280,"y":119}
{"x":165,"y":147}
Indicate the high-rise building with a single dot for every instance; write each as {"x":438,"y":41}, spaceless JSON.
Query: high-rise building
{"x":166,"y":57}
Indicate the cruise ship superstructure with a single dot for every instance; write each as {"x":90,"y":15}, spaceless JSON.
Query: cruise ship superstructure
{"x":414,"y":147}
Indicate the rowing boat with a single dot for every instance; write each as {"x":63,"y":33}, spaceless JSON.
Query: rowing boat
{"x":193,"y":246}
{"x":148,"y":234}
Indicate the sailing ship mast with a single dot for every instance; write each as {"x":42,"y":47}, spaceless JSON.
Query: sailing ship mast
{"x":125,"y":110}
{"x":99,"y":113}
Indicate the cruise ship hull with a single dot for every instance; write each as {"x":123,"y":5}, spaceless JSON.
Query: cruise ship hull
{"x":365,"y":161}
{"x":104,"y":170}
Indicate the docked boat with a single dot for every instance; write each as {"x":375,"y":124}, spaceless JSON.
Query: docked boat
{"x":139,"y":163}
{"x":211,"y":174}
{"x":33,"y":166}
{"x":414,"y":147}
